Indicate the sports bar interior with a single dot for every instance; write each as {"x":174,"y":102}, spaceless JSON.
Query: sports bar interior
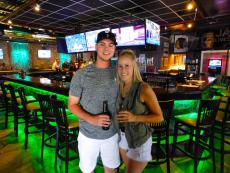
{"x":182,"y":49}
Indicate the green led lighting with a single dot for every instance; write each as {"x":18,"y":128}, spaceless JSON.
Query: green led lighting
{"x":20,"y":56}
{"x":34,"y":91}
{"x":185,"y":106}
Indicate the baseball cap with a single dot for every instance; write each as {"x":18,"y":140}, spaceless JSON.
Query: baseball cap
{"x":106,"y":35}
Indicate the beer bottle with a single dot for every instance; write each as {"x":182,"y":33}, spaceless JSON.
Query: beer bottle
{"x":106,"y":111}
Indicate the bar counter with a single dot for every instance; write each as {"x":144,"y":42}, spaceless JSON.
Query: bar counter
{"x":192,"y":90}
{"x":55,"y":86}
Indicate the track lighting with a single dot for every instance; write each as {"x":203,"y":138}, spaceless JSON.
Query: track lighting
{"x":37,"y":7}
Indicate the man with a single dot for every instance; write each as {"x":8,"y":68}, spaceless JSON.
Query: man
{"x":65,"y":66}
{"x":90,"y":87}
{"x":56,"y":65}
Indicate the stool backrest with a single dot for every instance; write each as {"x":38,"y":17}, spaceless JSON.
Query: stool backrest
{"x":4,"y":89}
{"x":226,"y":120}
{"x":167,"y":108}
{"x":60,"y":113}
{"x":207,"y":113}
{"x":45,"y":104}
{"x":22,"y":96}
{"x":13,"y":95}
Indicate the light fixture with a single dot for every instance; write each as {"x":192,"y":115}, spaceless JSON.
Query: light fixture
{"x":189,"y":25}
{"x":9,"y":21}
{"x":37,"y":7}
{"x":10,"y":27}
{"x":190,"y":6}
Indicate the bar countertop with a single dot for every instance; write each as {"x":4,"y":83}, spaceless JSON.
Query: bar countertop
{"x":191,"y":90}
{"x":40,"y":82}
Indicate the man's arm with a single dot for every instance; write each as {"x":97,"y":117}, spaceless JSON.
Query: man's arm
{"x":99,"y":120}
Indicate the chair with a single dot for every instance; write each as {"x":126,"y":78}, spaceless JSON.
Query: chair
{"x":30,"y":110}
{"x":67,"y":128}
{"x":16,"y":106}
{"x":6,"y":101}
{"x":222,"y":129}
{"x":160,"y":136}
{"x":48,"y":120}
{"x":199,"y":126}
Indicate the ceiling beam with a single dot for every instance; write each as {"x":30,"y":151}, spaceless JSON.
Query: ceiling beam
{"x":22,"y":7}
{"x":6,"y":10}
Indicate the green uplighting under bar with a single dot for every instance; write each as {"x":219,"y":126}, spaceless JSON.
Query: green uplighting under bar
{"x":34,"y":91}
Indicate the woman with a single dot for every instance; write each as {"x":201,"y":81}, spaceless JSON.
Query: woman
{"x":137,"y":105}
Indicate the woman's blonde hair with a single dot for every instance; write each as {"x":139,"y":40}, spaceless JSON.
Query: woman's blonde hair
{"x":136,"y":72}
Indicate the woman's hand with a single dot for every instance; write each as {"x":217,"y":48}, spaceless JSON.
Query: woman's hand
{"x":126,"y":116}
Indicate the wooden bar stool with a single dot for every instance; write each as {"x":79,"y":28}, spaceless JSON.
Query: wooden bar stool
{"x":17,"y":106}
{"x":48,"y":121}
{"x":30,"y":110}
{"x":160,"y":136}
{"x":6,"y":101}
{"x":200,"y":128}
{"x":222,"y":129}
{"x":67,"y":131}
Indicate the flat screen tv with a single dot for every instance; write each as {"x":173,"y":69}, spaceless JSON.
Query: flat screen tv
{"x":130,"y":36}
{"x":76,"y":43}
{"x":152,"y":32}
{"x":43,"y":53}
{"x":1,"y":53}
{"x":215,"y":62}
{"x":91,"y":38}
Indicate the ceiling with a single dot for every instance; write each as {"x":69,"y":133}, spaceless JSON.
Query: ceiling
{"x":71,"y":16}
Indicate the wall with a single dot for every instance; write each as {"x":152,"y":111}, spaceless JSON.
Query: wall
{"x":42,"y":63}
{"x":6,"y":56}
{"x":214,"y":54}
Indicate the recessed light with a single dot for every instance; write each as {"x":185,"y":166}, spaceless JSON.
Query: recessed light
{"x":37,"y":7}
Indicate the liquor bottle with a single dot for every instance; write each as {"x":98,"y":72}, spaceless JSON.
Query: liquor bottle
{"x":106,"y":111}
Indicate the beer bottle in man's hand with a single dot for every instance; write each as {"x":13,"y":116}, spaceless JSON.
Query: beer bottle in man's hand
{"x":106,"y":111}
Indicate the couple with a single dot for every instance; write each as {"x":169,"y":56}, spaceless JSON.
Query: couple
{"x":135,"y":105}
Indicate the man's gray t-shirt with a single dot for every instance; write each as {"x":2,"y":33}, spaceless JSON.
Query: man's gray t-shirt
{"x":94,"y":85}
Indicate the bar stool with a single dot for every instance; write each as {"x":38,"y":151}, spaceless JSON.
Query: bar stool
{"x":67,"y":128}
{"x":48,"y":121}
{"x":30,"y":110}
{"x":200,"y":128}
{"x":222,"y":129}
{"x":160,"y":136}
{"x":6,"y":101}
{"x":17,"y":107}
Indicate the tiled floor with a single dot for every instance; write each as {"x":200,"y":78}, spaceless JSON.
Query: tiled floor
{"x":15,"y":159}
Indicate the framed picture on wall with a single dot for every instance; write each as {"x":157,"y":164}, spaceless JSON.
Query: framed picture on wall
{"x":181,"y":44}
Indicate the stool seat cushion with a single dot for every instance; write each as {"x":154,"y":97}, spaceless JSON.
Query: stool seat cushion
{"x":33,"y":106}
{"x":8,"y":95}
{"x":28,"y":98}
{"x":190,"y":118}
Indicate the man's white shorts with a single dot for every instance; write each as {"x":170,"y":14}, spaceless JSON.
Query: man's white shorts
{"x":89,"y":150}
{"x":141,"y":154}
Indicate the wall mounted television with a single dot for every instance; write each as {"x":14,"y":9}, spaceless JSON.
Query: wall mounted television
{"x":91,"y":38}
{"x":130,"y":36}
{"x":152,"y":32}
{"x":76,"y":43}
{"x":215,"y":62}
{"x":43,"y":53}
{"x":1,"y":53}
